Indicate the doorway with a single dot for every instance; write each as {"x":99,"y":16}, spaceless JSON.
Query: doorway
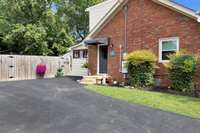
{"x":103,"y":59}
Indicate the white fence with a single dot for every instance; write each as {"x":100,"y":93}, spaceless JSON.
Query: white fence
{"x":19,"y":67}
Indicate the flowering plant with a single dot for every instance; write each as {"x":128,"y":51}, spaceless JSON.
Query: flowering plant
{"x":41,"y":69}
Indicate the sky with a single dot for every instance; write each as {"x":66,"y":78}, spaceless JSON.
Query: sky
{"x":193,"y":4}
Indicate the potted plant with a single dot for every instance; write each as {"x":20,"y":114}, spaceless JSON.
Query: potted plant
{"x":41,"y":70}
{"x":60,"y":72}
{"x":86,"y":66}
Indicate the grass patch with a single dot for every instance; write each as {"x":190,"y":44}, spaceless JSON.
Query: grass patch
{"x":183,"y":105}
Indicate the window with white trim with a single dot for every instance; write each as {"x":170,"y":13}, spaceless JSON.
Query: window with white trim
{"x":168,"y":46}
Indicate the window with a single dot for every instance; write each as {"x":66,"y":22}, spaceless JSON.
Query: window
{"x":80,"y":53}
{"x":168,"y":46}
{"x":76,"y":54}
{"x":85,"y":53}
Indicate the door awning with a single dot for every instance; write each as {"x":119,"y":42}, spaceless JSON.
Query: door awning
{"x":97,"y":41}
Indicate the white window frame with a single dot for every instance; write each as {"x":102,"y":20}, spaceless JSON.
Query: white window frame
{"x":161,"y":44}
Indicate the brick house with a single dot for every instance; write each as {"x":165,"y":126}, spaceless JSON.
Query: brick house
{"x":159,"y":25}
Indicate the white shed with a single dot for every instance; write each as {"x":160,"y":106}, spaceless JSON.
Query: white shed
{"x":77,"y":55}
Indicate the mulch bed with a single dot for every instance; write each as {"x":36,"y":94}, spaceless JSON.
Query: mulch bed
{"x":191,"y":93}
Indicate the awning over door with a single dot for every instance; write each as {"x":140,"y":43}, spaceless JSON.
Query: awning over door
{"x":97,"y":41}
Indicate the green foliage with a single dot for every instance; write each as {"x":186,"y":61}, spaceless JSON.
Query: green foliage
{"x":78,"y":18}
{"x":182,"y":68}
{"x":141,"y":66}
{"x":24,"y":11}
{"x":60,"y":72}
{"x":29,"y":39}
{"x":63,"y":21}
{"x":85,"y":65}
{"x":16,"y":16}
{"x":58,"y":37}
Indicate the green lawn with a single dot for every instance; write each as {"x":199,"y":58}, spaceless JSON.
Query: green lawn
{"x":178,"y":104}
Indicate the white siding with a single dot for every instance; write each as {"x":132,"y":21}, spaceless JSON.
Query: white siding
{"x":97,"y":12}
{"x":77,"y":69}
{"x":76,"y":64}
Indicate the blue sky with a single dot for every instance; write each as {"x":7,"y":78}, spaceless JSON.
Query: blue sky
{"x":193,"y":4}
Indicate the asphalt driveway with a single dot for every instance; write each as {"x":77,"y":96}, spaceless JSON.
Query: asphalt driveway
{"x":63,"y":106}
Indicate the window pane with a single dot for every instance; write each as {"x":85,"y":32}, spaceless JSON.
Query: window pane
{"x":76,"y":54}
{"x":85,"y":53}
{"x":166,"y":54}
{"x":81,"y":53}
{"x":169,"y":45}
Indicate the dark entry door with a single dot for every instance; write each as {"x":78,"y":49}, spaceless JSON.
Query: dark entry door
{"x":103,"y":59}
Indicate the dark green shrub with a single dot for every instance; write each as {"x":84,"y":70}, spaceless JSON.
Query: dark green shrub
{"x":141,"y":68}
{"x":182,"y":68}
{"x":60,"y":72}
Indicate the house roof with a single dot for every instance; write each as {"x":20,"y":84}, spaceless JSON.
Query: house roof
{"x":120,"y":4}
{"x":75,"y":46}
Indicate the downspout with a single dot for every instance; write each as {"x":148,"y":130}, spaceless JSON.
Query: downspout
{"x":124,"y":47}
{"x":125,"y":27}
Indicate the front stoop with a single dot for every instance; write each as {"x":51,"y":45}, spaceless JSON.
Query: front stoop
{"x":94,"y":79}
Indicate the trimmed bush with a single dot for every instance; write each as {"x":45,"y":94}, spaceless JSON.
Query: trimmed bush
{"x":182,"y":68}
{"x":141,"y":68}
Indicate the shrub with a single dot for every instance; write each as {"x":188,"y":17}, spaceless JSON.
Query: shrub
{"x":85,"y":65}
{"x":41,"y":69}
{"x":182,"y":68}
{"x":60,"y":72}
{"x":141,"y":68}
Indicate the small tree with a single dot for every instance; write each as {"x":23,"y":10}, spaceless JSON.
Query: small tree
{"x":182,"y":68}
{"x":141,"y":68}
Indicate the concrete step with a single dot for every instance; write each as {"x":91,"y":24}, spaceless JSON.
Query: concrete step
{"x":87,"y":83}
{"x":95,"y":79}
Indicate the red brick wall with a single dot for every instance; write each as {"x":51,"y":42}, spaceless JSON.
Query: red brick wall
{"x":92,"y":59}
{"x":147,"y":23}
